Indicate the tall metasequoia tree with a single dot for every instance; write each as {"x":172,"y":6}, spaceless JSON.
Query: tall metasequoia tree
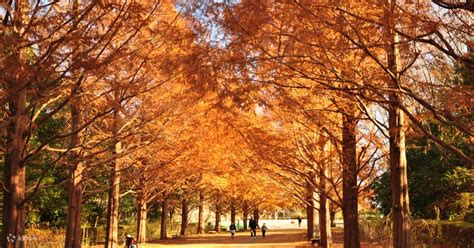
{"x":184,"y":216}
{"x":233,"y":211}
{"x":164,"y":214}
{"x":14,"y":169}
{"x":324,"y":219}
{"x":324,"y":201}
{"x":398,"y":162}
{"x":76,"y":168}
{"x":142,"y":200}
{"x":114,"y":190}
{"x":350,"y":188}
{"x":17,"y":137}
{"x":217,"y":225}
{"x":309,"y":210}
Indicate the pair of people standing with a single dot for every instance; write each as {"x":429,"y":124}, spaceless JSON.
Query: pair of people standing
{"x":253,"y":229}
{"x":253,"y":224}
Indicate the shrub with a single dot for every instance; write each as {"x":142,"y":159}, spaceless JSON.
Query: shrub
{"x":458,"y":234}
{"x":47,"y":238}
{"x":469,"y":217}
{"x":424,"y":232}
{"x":376,"y":230}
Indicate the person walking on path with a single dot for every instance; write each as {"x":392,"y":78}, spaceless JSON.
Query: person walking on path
{"x":299,"y":221}
{"x":253,"y":228}
{"x":264,"y":230}
{"x":130,"y":242}
{"x":232,"y":229}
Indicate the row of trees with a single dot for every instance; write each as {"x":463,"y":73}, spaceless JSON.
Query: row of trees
{"x":347,"y":80}
{"x":84,"y":85}
{"x":101,"y":97}
{"x":233,"y":100}
{"x":211,"y":168}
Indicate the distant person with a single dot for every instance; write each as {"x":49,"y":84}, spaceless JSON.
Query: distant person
{"x":130,"y":242}
{"x":253,"y":228}
{"x":299,"y":221}
{"x":232,"y":229}
{"x":264,"y":230}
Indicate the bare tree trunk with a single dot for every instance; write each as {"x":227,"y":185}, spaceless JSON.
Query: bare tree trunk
{"x":73,"y":228}
{"x":217,"y":227}
{"x":164,"y":214}
{"x":141,"y":221}
{"x":75,"y":193}
{"x":16,"y":141}
{"x":245,"y":215}
{"x":350,"y":191}
{"x":398,"y":163}
{"x":114,"y":191}
{"x":399,"y":180}
{"x":14,"y":173}
{"x":184,"y":216}
{"x":113,"y":208}
{"x":317,"y":229}
{"x":324,"y":223}
{"x":75,"y":189}
{"x":232,"y":212}
{"x":142,"y":210}
{"x":200,"y":213}
{"x":309,"y":210}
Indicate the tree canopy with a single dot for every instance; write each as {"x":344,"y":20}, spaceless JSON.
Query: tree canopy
{"x":113,"y":111}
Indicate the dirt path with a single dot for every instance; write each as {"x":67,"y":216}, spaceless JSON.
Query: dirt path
{"x":276,"y":239}
{"x":294,"y":238}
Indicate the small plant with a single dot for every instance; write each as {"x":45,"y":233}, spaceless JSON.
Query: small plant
{"x":376,"y":230}
{"x":43,"y":238}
